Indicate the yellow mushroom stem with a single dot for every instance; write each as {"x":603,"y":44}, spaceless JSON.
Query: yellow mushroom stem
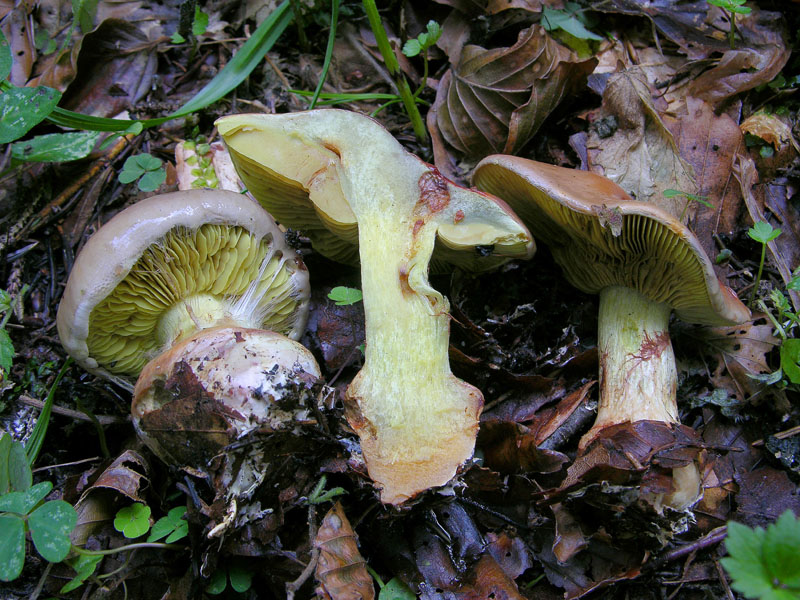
{"x":638,"y":376}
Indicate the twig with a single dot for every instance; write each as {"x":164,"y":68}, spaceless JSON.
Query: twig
{"x":293,"y":586}
{"x":74,"y":414}
{"x":724,"y":581}
{"x":781,"y":435}
{"x":35,"y":594}
{"x":712,"y":538}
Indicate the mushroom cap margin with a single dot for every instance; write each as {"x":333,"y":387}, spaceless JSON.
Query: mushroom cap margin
{"x":582,"y":215}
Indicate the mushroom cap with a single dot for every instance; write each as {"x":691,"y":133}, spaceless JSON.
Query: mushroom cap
{"x":156,"y":253}
{"x":219,"y":386}
{"x":304,"y":166}
{"x":602,"y":237}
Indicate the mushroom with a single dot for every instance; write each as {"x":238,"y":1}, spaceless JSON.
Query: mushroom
{"x":643,"y":262}
{"x":353,"y":189}
{"x":198,"y":291}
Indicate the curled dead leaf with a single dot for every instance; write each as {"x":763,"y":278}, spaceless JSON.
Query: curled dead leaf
{"x":495,"y":100}
{"x":341,"y":570}
{"x":641,"y":155}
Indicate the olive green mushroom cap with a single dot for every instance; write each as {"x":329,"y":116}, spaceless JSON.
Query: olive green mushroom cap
{"x":601,"y":237}
{"x":170,"y":265}
{"x":304,"y":167}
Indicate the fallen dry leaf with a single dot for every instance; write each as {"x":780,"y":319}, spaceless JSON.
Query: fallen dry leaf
{"x":709,"y":143}
{"x":341,"y":570}
{"x":784,"y":250}
{"x":736,"y":353}
{"x":641,"y":155}
{"x":495,"y":100}
{"x":758,"y":58}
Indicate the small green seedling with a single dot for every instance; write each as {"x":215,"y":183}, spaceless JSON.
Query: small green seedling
{"x":691,"y":197}
{"x":23,"y":510}
{"x":84,"y":566}
{"x":199,"y":26}
{"x":145,"y":168}
{"x":732,"y":8}
{"x":765,"y":564}
{"x":765,"y":149}
{"x":763,"y":233}
{"x":238,"y":574}
{"x":344,"y":296}
{"x":320,"y":495}
{"x":423,"y":41}
{"x":133,"y":521}
{"x":173,"y":527}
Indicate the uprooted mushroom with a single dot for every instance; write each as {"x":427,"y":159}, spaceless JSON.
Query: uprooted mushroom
{"x":644,"y":263}
{"x":197,"y":294}
{"x":353,"y":189}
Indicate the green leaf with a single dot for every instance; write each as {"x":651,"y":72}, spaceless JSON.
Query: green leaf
{"x":20,"y":477}
{"x":12,"y":550}
{"x":6,"y":351}
{"x":217,"y":582}
{"x":5,"y":57}
{"x":177,"y":38}
{"x":23,"y":108}
{"x":567,"y":21}
{"x":395,"y":589}
{"x":434,"y":33}
{"x":83,"y":11}
{"x":240,"y":577}
{"x":412,"y":48}
{"x":56,"y":147}
{"x":781,"y":549}
{"x":23,"y":502}
{"x":766,"y":151}
{"x":344,"y":296}
{"x":790,"y":357}
{"x":5,"y":450}
{"x":50,"y":526}
{"x":173,"y":525}
{"x":200,"y":23}
{"x":84,"y":565}
{"x":133,"y":521}
{"x":745,"y":563}
{"x":763,"y":232}
{"x":152,"y":180}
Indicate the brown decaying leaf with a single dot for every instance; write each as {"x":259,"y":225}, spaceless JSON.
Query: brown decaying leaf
{"x":126,"y":476}
{"x":116,"y":66}
{"x":16,"y":27}
{"x":511,"y":448}
{"x":341,"y":570}
{"x":740,"y":351}
{"x":495,"y":100}
{"x":631,"y":452}
{"x":709,"y":144}
{"x":641,"y":156}
{"x":569,"y":539}
{"x":758,"y":58}
{"x":681,"y":22}
{"x":785,"y":249}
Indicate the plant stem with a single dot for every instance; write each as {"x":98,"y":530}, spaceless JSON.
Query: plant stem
{"x":760,"y":270}
{"x":393,"y":67}
{"x":128,"y":547}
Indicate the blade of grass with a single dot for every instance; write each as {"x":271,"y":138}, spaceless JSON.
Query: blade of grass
{"x":393,"y":66}
{"x":235,"y":72}
{"x":328,"y":52}
{"x":35,"y":442}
